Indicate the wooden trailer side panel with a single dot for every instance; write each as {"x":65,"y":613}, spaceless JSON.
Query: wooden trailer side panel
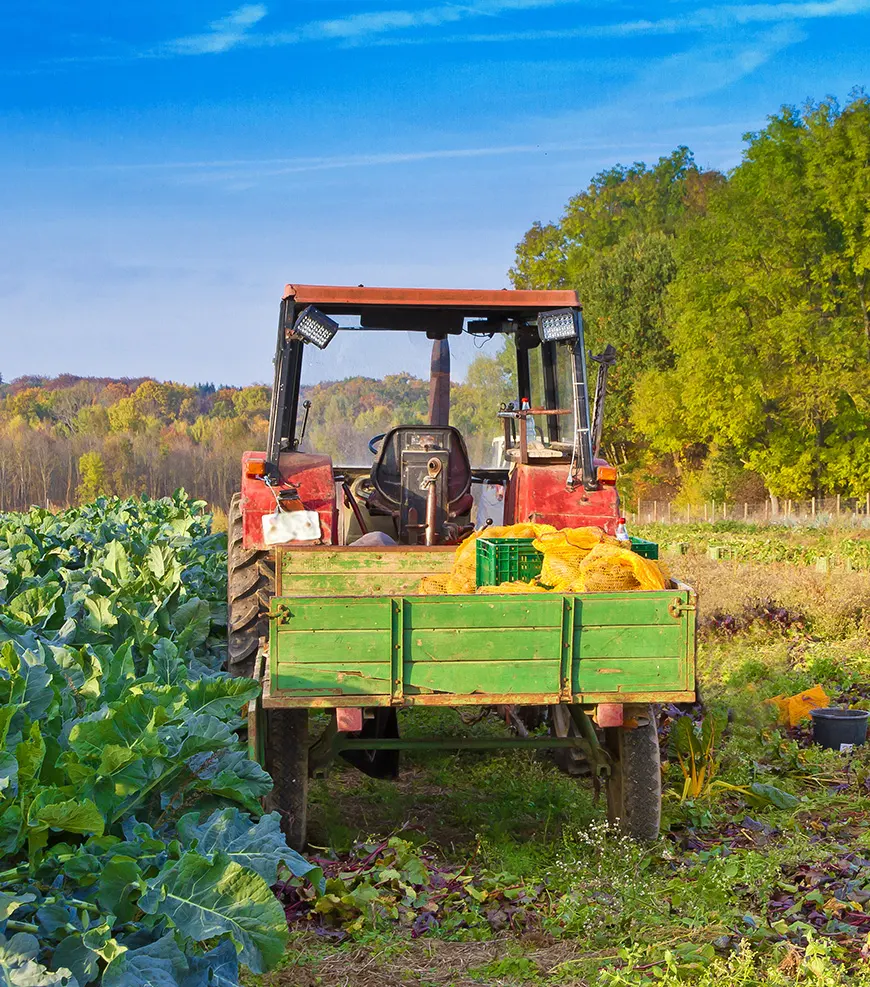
{"x":349,"y":630}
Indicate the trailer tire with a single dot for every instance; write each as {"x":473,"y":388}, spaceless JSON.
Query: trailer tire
{"x":287,"y":762}
{"x":250,"y":586}
{"x":634,"y":789}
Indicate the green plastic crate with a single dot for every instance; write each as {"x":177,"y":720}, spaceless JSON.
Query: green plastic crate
{"x":510,"y":560}
{"x":506,"y":560}
{"x":648,"y":549}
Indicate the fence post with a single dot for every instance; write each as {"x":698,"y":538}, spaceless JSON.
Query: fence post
{"x":745,"y":511}
{"x":814,"y":507}
{"x":838,"y":505}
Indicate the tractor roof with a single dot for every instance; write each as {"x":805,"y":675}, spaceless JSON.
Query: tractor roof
{"x":428,"y":309}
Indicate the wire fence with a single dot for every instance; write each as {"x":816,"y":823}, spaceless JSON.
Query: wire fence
{"x":818,"y":510}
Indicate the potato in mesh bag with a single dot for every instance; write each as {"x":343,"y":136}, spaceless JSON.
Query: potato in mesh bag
{"x":564,"y":551}
{"x":612,"y":568}
{"x":516,"y":587}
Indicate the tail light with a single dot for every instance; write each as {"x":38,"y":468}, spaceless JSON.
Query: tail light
{"x":606,"y":474}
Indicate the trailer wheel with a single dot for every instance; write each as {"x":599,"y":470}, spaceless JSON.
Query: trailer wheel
{"x":286,"y":744}
{"x":250,"y":586}
{"x":634,"y":789}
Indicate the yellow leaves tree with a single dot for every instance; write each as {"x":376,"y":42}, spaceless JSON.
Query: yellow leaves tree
{"x":92,"y":477}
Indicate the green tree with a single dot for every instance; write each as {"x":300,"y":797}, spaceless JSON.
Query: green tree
{"x":252,"y":401}
{"x":92,"y":477}
{"x":614,"y":245}
{"x":92,"y":419}
{"x":769,"y":322}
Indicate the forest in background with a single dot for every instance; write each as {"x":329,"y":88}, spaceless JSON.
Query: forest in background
{"x":68,"y":439}
{"x":739,"y":305}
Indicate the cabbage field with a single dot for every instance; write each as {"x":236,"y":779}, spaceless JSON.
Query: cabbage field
{"x":133,"y":849}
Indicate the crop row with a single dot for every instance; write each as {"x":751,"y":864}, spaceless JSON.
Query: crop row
{"x":763,"y":543}
{"x":133,"y":848}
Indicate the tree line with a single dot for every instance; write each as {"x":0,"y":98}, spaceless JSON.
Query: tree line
{"x":69,"y":439}
{"x":739,"y":305}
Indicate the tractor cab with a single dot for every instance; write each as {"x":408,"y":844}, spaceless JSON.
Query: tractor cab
{"x":420,"y":486}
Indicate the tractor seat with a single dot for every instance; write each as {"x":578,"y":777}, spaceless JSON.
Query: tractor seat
{"x":386,"y":474}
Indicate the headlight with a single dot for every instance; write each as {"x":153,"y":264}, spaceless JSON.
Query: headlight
{"x":315,"y":327}
{"x":561,"y":323}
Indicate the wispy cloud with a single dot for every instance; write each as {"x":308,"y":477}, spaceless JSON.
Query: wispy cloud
{"x":234,"y":30}
{"x":222,"y":34}
{"x":243,"y":173}
{"x":242,"y":27}
{"x":702,"y":19}
{"x":712,"y":67}
{"x":234,"y":169}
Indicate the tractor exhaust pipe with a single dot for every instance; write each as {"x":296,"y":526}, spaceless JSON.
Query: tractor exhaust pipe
{"x":439,"y":383}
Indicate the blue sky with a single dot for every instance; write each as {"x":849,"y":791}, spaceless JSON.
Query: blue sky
{"x":167,"y":167}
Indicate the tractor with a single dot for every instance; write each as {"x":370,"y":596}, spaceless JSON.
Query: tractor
{"x":325,"y":565}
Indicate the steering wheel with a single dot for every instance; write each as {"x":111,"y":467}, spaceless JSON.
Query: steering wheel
{"x":373,"y":442}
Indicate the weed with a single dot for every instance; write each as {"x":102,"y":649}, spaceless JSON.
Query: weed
{"x":760,"y":880}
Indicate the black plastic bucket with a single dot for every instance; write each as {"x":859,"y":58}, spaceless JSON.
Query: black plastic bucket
{"x":839,"y":729}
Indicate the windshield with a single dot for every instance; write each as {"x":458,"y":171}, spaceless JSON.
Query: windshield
{"x":369,"y":381}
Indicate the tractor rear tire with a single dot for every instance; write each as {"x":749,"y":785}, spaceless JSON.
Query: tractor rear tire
{"x":250,"y":587}
{"x":634,"y":789}
{"x":287,"y":762}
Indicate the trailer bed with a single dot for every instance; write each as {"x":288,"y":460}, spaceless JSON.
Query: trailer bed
{"x":348,"y":629}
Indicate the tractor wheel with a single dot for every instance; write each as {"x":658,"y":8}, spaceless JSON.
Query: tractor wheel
{"x":634,"y":789}
{"x":287,"y":763}
{"x":250,"y":586}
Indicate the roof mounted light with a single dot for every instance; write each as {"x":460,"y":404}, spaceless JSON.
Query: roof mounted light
{"x":559,"y":325}
{"x":315,"y":327}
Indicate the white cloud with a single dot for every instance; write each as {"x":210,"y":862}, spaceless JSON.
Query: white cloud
{"x":709,"y":68}
{"x":222,"y":35}
{"x":234,"y":30}
{"x":702,"y":19}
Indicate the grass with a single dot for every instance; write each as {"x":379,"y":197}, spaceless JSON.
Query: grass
{"x":539,"y":890}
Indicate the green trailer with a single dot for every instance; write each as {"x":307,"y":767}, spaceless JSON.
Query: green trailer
{"x":348,"y":630}
{"x":325,"y":567}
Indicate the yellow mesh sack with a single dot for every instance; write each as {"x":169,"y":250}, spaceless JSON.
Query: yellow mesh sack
{"x":463,"y":576}
{"x":576,"y":560}
{"x":436,"y":585}
{"x":512,"y":588}
{"x":564,"y":551}
{"x":465,"y":564}
{"x":610,"y":568}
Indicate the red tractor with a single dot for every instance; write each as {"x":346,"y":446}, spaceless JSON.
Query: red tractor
{"x":325,"y":562}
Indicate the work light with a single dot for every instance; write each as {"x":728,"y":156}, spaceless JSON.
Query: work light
{"x":560,"y":324}
{"x":315,"y":327}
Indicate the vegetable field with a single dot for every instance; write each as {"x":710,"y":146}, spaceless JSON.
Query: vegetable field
{"x":133,"y":850}
{"x":847,"y":547}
